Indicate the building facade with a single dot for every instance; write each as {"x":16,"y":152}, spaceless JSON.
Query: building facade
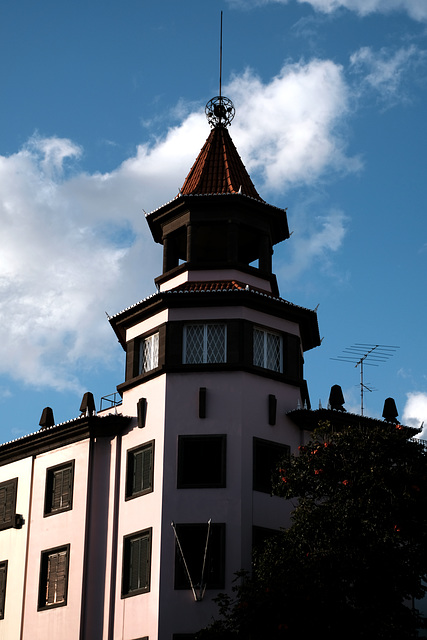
{"x":126,"y":523}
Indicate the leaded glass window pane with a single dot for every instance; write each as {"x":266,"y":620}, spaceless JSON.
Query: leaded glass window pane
{"x":273,"y":354}
{"x":267,"y":350}
{"x":194,"y":343}
{"x":259,"y":348}
{"x":204,"y":343}
{"x":149,"y":354}
{"x":215,"y":343}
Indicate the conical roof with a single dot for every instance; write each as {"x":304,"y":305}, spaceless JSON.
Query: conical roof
{"x":219,"y":169}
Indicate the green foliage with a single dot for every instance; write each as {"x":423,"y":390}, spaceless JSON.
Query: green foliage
{"x":356,"y":553}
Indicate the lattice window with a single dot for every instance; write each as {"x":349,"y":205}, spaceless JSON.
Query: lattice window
{"x":205,"y":343}
{"x":149,"y":353}
{"x":267,"y":350}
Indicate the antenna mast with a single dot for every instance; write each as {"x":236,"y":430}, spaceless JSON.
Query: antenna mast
{"x":360,"y":354}
{"x":220,"y":59}
{"x":220,"y":110}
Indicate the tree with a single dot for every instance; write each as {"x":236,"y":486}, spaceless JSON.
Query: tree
{"x":355,"y":556}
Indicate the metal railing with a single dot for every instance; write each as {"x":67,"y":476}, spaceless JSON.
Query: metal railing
{"x":110,"y":401}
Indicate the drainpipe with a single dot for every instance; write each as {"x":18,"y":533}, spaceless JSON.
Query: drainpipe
{"x":27,"y":547}
{"x":114,"y":537}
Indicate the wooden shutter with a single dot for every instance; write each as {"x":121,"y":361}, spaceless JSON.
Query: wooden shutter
{"x":147,"y":462}
{"x":139,"y":563}
{"x":141,"y":470}
{"x":56,"y":583}
{"x":61,"y":490}
{"x":7,"y":503}
{"x":137,"y":471}
{"x":3,"y":573}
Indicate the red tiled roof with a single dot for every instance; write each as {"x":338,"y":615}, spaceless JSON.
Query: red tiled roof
{"x":224,"y":285}
{"x":219,"y":169}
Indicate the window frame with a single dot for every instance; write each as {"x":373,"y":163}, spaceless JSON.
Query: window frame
{"x":130,"y":493}
{"x":182,"y":473}
{"x":258,"y":470}
{"x":153,"y":340}
{"x":51,"y":472}
{"x":205,"y":343}
{"x":44,"y":577}
{"x":266,"y":334}
{"x":126,"y":590}
{"x":9,"y":503}
{"x":3,"y":584}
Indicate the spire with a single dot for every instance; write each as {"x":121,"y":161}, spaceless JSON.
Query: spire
{"x":219,"y":168}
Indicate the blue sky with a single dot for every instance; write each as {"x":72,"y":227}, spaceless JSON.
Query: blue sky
{"x":102,"y":115}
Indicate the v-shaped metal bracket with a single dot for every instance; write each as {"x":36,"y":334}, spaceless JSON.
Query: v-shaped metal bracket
{"x":198,"y":594}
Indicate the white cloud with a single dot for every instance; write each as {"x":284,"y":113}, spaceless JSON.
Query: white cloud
{"x":416,"y":9}
{"x":75,"y":245}
{"x":415,"y":411}
{"x":313,"y":243}
{"x":289,"y":129}
{"x":385,"y":71}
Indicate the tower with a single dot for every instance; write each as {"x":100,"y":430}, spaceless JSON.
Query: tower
{"x":126,"y":523}
{"x":214,"y":360}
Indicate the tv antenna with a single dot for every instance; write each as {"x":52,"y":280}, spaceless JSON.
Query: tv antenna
{"x":362,"y":353}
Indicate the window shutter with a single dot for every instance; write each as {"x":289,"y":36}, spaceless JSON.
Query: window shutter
{"x":7,"y":503}
{"x":56,"y":490}
{"x":3,"y":570}
{"x":67,"y":486}
{"x":59,"y":488}
{"x":137,"y":472}
{"x":56,"y":577}
{"x":139,"y":558}
{"x":61,"y":576}
{"x":142,"y":469}
{"x":52,"y":562}
{"x":147,"y":456}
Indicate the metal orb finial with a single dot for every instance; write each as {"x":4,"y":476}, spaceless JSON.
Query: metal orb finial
{"x":220,"y":111}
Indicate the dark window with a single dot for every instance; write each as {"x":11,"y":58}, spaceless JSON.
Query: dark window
{"x":54,"y":577}
{"x":3,"y":576}
{"x":139,"y":475}
{"x":204,"y":343}
{"x":136,"y":563}
{"x":8,"y":503}
{"x":201,"y":461}
{"x":266,"y":456}
{"x":59,"y":488}
{"x":202,"y":547}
